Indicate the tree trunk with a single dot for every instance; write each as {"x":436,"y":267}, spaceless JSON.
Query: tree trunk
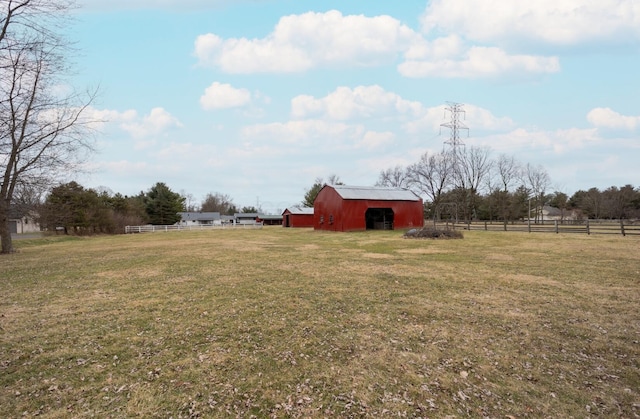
{"x":5,"y":232}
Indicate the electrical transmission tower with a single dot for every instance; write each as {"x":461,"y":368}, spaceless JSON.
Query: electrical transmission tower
{"x":455,"y":125}
{"x":455,"y":155}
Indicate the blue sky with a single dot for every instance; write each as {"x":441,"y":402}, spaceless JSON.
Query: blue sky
{"x":257,"y":99}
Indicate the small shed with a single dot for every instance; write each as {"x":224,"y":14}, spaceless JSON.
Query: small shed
{"x":21,"y":221}
{"x":23,"y":225}
{"x":270,"y":219}
{"x":297,"y":217}
{"x":352,"y":208}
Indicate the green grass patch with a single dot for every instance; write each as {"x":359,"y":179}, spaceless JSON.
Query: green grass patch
{"x":298,"y":323}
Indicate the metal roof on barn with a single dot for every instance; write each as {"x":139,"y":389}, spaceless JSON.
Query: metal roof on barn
{"x":300,"y":210}
{"x":375,"y":193}
{"x":270,"y":216}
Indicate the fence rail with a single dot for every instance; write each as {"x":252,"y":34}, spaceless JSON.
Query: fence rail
{"x":161,"y":228}
{"x":623,"y":227}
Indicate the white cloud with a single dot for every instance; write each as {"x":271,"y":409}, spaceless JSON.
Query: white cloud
{"x":224,"y":96}
{"x":478,"y":118}
{"x":375,"y":104}
{"x":565,"y":22}
{"x":360,"y":102}
{"x":440,"y":48}
{"x":308,"y":133}
{"x":570,"y":139}
{"x":97,"y":119}
{"x":301,"y":42}
{"x":478,"y":62}
{"x":143,"y":129}
{"x":554,"y":142}
{"x":157,"y":122}
{"x":375,"y":140}
{"x":311,"y":40}
{"x":608,"y":118}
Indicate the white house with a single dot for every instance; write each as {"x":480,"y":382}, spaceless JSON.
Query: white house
{"x":550,"y":213}
{"x":199,"y":218}
{"x":246,"y":217}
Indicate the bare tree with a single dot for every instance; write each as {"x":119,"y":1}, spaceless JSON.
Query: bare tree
{"x":218,"y":202}
{"x":472,"y":168}
{"x":504,"y":176}
{"x":431,"y":176}
{"x":508,"y":171}
{"x":189,"y":201}
{"x":334,"y":180}
{"x":395,"y":177}
{"x":42,"y":134}
{"x":537,"y":180}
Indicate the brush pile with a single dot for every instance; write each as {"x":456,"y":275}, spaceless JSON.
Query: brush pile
{"x":433,"y":233}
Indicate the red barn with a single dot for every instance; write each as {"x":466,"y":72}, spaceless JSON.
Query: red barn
{"x":350,"y":208}
{"x":297,"y":217}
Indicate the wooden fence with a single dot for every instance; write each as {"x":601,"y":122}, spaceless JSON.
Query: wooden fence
{"x":158,"y":228}
{"x":626,"y":228}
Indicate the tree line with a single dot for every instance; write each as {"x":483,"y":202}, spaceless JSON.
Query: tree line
{"x":74,"y":209}
{"x":468,"y":184}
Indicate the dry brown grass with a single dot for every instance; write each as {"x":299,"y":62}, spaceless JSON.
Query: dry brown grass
{"x":296,"y":323}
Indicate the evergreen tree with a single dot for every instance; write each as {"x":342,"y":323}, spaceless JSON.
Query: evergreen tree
{"x":163,"y":205}
{"x":69,"y":206}
{"x":312,"y":192}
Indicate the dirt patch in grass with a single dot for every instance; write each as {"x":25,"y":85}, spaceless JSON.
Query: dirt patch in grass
{"x":377,"y":255}
{"x":500,"y":257}
{"x":421,"y":251}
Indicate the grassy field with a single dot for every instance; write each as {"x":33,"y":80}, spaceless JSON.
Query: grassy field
{"x":298,"y":323}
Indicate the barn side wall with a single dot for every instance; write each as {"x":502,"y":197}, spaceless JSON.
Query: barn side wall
{"x":333,"y":213}
{"x":298,"y":220}
{"x":326,"y":209}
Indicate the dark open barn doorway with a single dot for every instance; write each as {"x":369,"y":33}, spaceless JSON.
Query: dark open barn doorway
{"x":379,"y":219}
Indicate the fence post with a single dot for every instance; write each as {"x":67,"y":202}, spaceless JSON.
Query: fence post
{"x":588,"y":232}
{"x":622,"y":227}
{"x":485,"y":226}
{"x":556,"y":223}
